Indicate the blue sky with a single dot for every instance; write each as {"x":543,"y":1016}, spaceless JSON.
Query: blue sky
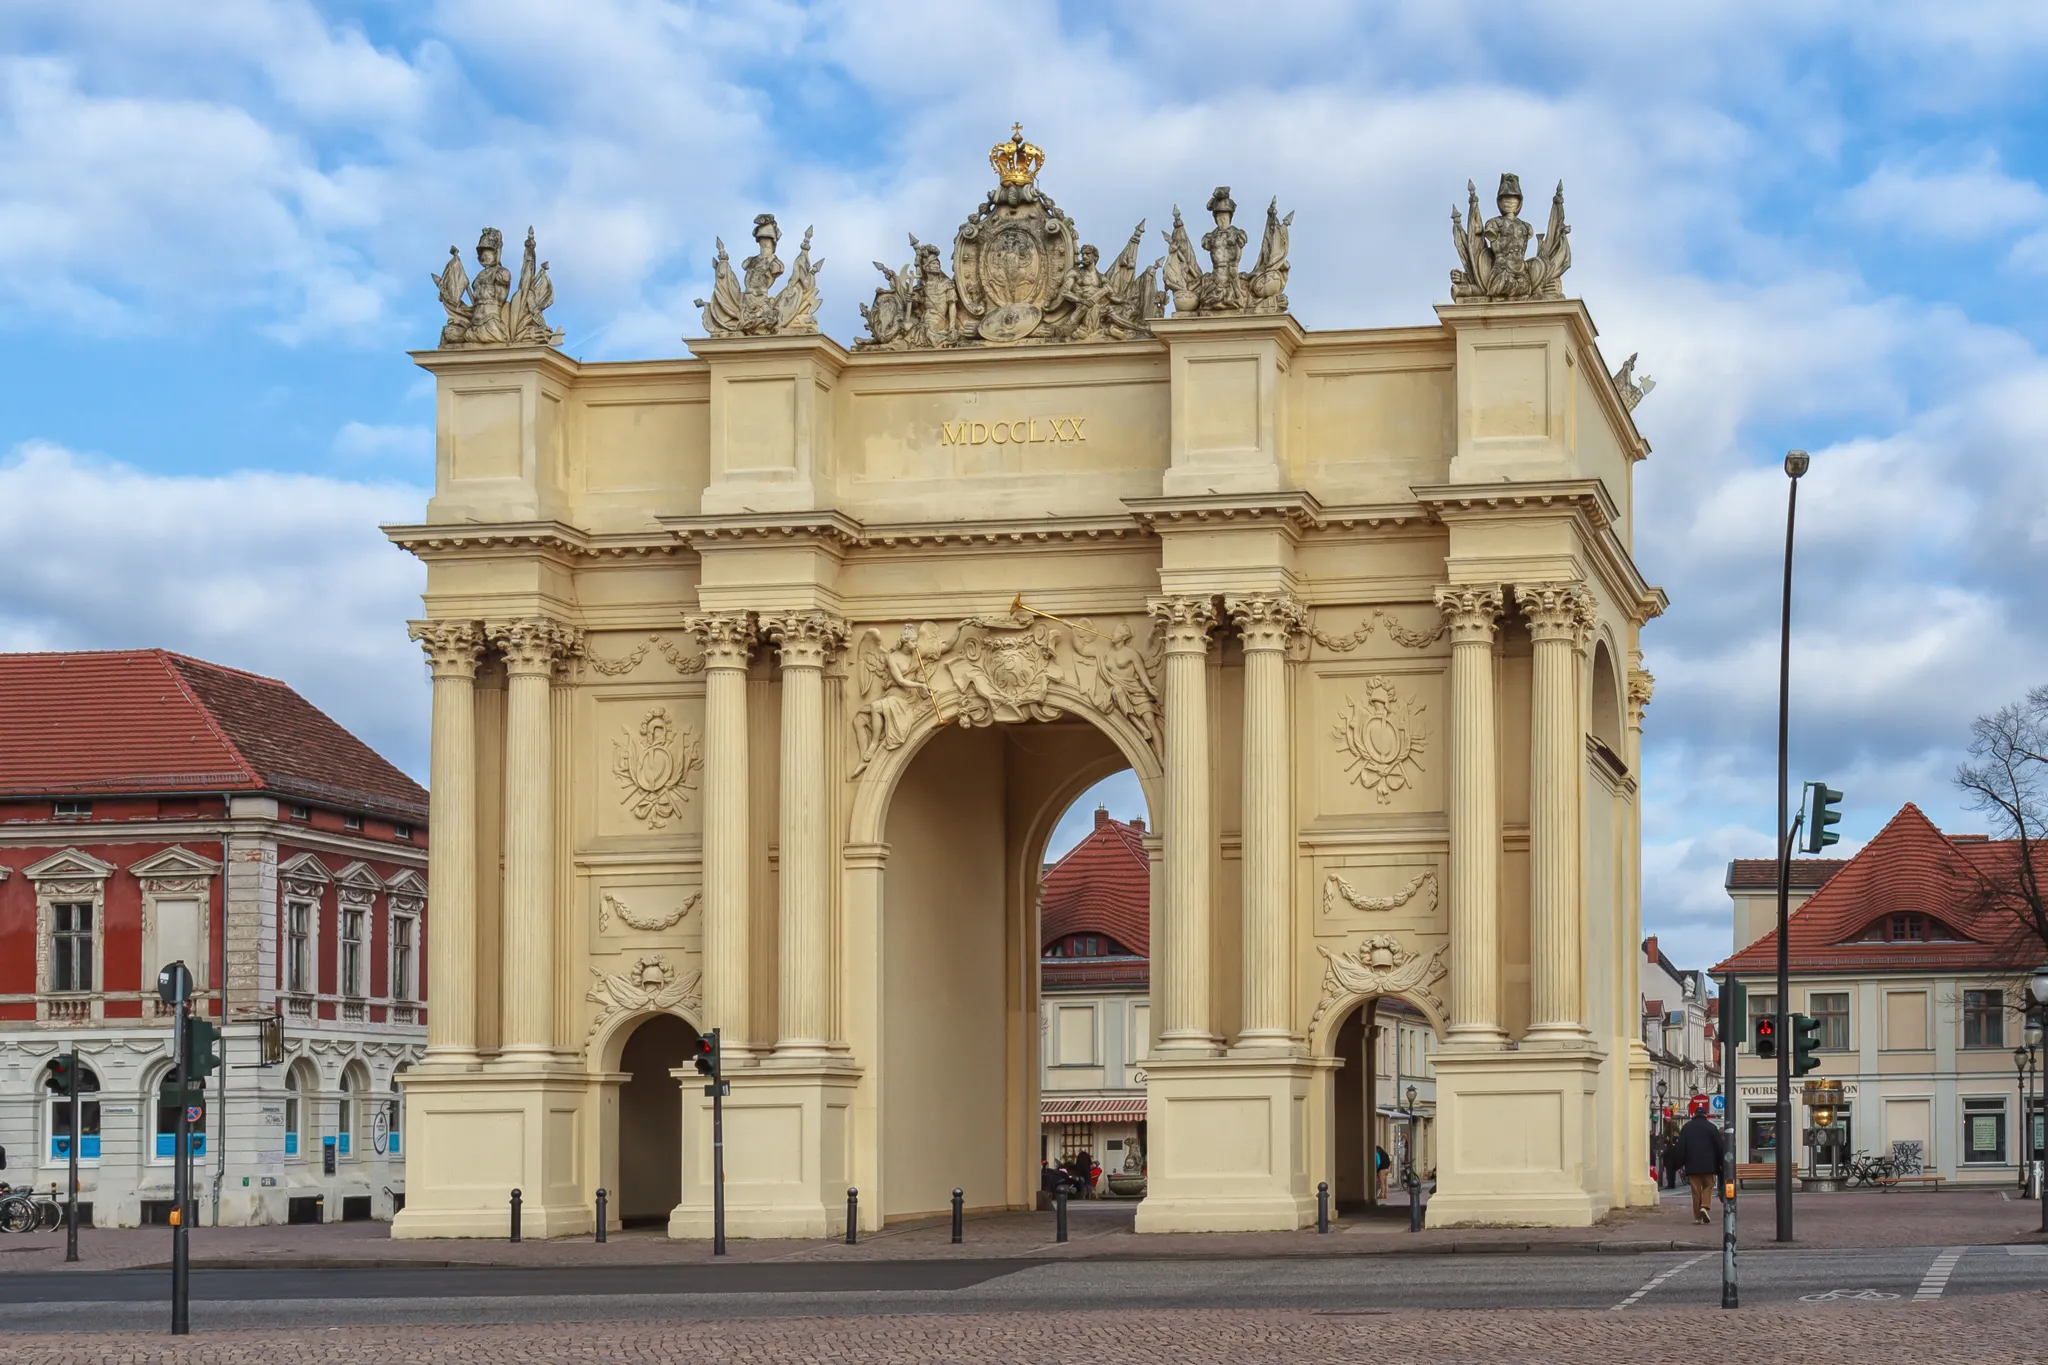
{"x":1822,"y":225}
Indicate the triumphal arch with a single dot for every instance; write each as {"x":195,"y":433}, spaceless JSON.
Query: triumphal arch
{"x":761,"y":675}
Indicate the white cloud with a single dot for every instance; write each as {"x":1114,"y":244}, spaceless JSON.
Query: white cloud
{"x":282,"y":574}
{"x":368,"y":441}
{"x":1960,"y":203}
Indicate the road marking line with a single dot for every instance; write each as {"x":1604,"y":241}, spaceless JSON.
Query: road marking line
{"x":1683,"y":1265}
{"x":1936,"y":1280}
{"x":2026,"y":1251}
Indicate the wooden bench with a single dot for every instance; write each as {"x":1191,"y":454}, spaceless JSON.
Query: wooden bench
{"x":1755,"y":1170}
{"x":1889,"y":1181}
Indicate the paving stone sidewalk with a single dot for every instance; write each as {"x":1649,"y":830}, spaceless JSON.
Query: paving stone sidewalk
{"x":1860,"y":1219}
{"x":2001,"y":1330}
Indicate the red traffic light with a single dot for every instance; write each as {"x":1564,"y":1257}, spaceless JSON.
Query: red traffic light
{"x":1766,"y":1037}
{"x":707,"y":1057}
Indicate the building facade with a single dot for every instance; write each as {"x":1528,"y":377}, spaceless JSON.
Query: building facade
{"x":762,"y":674}
{"x":153,"y":809}
{"x":1679,"y":1028}
{"x":1917,"y":988}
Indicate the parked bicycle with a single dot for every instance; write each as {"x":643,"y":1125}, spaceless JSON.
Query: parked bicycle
{"x":1865,"y":1169}
{"x":29,"y":1210}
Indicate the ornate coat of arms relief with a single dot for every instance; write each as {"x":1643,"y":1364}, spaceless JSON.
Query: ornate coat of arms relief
{"x":651,"y":984}
{"x":996,"y":669}
{"x":1381,"y":739}
{"x":1020,"y":273}
{"x":654,"y":766}
{"x":1381,"y":966}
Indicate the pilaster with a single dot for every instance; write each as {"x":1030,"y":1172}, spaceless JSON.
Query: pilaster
{"x":1560,"y":618}
{"x":804,"y":641}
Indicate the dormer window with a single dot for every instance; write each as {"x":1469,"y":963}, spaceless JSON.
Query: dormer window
{"x":74,"y":810}
{"x":354,"y":822}
{"x":1907,"y":927}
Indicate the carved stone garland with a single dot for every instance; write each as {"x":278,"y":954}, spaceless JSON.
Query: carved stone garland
{"x":1398,"y":633}
{"x":1381,"y":965}
{"x":1336,"y":889}
{"x":990,"y":669}
{"x":685,"y":664}
{"x":609,"y":905}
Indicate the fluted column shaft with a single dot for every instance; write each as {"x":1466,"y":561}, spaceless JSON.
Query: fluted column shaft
{"x":728,"y":1005}
{"x":530,"y":648}
{"x":1266,"y":623}
{"x":1184,"y":994}
{"x":1558,"y":615}
{"x":453,"y":647}
{"x":806,"y":640}
{"x":1471,"y":612}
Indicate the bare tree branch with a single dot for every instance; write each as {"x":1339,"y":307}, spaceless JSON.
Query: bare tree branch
{"x":2007,"y":780}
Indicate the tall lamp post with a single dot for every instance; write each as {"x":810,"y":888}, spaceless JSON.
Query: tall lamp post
{"x":1796,"y":462}
{"x":1414,"y":1176}
{"x":2032,"y":1034}
{"x":2022,"y":1060}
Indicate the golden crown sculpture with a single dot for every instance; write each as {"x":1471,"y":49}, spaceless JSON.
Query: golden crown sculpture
{"x":1016,"y":162}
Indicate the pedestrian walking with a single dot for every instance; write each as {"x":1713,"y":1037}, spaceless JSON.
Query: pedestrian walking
{"x":1700,"y":1141}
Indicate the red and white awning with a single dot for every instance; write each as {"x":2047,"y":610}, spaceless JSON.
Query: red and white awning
{"x":1091,"y":1110}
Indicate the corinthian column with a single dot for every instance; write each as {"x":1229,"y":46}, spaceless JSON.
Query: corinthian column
{"x":1559,"y":616}
{"x":1470,"y":613}
{"x":1266,"y":623}
{"x":727,"y":641}
{"x":530,"y":647}
{"x":453,"y":648}
{"x":806,"y":640}
{"x":1184,"y":997}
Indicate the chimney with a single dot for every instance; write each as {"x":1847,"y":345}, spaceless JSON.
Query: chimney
{"x":1101,"y":816}
{"x":1138,"y":823}
{"x":1650,"y":948}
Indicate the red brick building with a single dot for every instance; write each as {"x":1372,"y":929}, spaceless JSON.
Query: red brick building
{"x":155,"y":808}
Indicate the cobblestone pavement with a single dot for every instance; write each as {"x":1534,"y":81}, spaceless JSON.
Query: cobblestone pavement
{"x":1858,"y":1219}
{"x":1984,"y":1331}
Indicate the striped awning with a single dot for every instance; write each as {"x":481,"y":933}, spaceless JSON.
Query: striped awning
{"x":1081,"y":1111}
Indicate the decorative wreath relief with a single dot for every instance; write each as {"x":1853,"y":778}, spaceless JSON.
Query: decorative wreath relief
{"x":1382,"y":739}
{"x":654,"y":768}
{"x":610,"y":907}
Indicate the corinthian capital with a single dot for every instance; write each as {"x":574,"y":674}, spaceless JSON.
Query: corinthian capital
{"x":1640,"y":686}
{"x":534,"y":644}
{"x":727,"y":638}
{"x":1266,"y":620}
{"x":1471,"y":611}
{"x":453,"y":647}
{"x":1556,"y":611}
{"x":1184,"y":623}
{"x":806,"y":639}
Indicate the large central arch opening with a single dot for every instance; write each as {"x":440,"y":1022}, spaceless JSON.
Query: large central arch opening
{"x":967,"y":829}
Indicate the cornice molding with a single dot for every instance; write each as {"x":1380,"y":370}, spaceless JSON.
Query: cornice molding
{"x":1296,"y":508}
{"x":826,"y":527}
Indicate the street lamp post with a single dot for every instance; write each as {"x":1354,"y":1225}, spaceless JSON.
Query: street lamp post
{"x":2021,"y":1059}
{"x":1796,"y":462}
{"x":2032,"y":1034}
{"x":1414,"y":1177}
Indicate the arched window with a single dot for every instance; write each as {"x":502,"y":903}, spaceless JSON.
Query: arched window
{"x":394,"y":1117}
{"x":301,"y":1083}
{"x":355,"y":1087}
{"x":57,"y":1109}
{"x":1606,"y":700}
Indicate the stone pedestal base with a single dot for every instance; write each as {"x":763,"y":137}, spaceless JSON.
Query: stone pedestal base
{"x":787,"y":1145}
{"x":1228,"y":1144}
{"x":1517,"y":1137}
{"x":1642,"y":1186}
{"x":472,"y":1136}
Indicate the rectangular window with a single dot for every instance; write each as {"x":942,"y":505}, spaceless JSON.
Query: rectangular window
{"x":351,"y":822}
{"x":302,"y":812}
{"x":1984,"y":1132}
{"x":344,"y":1122}
{"x":1830,"y":1009}
{"x":299,"y":947}
{"x":291,"y":1124}
{"x":401,"y":831}
{"x":1760,"y":1007}
{"x":71,"y":946}
{"x":74,"y":810}
{"x":351,"y":952}
{"x":88,"y":1129}
{"x":1905,"y":1021}
{"x":1763,"y":1136}
{"x":1984,"y":1018}
{"x":401,"y":957}
{"x":167,"y":1132}
{"x":1073,"y":1035}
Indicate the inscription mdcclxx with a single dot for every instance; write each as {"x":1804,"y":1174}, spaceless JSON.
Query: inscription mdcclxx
{"x":1023,"y":431}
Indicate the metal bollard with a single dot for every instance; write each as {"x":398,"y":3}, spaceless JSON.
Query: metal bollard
{"x":1322,"y":1206}
{"x":959,"y":1213}
{"x":602,"y":1200}
{"x":515,"y":1215}
{"x":1414,"y":1202}
{"x":1059,"y":1206}
{"x":852,"y":1215}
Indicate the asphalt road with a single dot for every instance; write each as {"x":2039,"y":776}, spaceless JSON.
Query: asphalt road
{"x":116,"y":1300}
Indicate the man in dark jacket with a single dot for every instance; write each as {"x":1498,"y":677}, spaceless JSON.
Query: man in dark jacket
{"x":1700,"y":1140}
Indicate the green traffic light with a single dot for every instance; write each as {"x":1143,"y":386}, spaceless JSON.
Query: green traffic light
{"x":1805,"y":1044}
{"x":201,"y":1056}
{"x":1819,"y":829}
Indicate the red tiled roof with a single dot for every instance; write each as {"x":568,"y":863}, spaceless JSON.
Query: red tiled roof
{"x":1806,"y":873}
{"x":1910,"y":867}
{"x":149,"y":720}
{"x":1102,"y":886}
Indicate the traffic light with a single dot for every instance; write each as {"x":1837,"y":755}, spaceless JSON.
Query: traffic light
{"x":1819,"y":830}
{"x":1765,"y":1043}
{"x":200,"y":1058}
{"x":709,"y":1063}
{"x":63,"y":1069}
{"x":1805,"y":1043}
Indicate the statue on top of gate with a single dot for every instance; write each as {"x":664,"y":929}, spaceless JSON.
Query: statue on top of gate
{"x":1498,"y":268}
{"x":1020,"y":274}
{"x":747,"y":304}
{"x":1226,"y":289}
{"x":488,"y":310}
